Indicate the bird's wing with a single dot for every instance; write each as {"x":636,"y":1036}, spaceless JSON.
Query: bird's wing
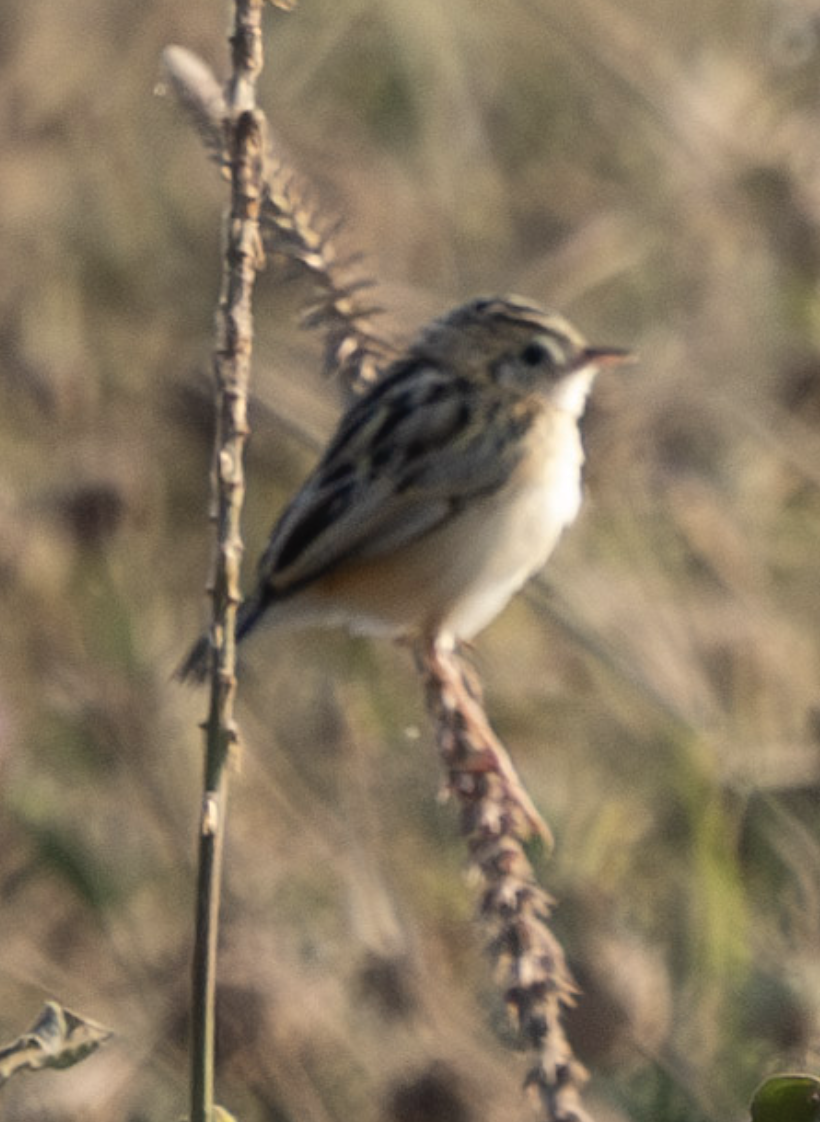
{"x":404,"y":459}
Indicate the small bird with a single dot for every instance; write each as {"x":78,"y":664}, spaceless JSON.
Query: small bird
{"x":445,"y":487}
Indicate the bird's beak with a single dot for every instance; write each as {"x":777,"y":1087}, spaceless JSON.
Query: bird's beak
{"x":608,"y":356}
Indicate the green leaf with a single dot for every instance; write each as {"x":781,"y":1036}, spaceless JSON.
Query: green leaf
{"x":787,"y":1098}
{"x":59,"y":1039}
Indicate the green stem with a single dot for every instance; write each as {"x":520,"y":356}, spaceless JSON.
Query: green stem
{"x":209,"y":880}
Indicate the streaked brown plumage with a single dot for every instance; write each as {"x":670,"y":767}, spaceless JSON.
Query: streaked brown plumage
{"x":445,"y":487}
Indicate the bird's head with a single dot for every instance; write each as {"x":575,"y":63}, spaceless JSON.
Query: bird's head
{"x":514,"y":344}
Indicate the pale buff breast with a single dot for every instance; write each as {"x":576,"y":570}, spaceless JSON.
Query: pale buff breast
{"x":456,"y":579}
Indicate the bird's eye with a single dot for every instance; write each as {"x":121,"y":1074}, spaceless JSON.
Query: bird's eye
{"x":536,"y":353}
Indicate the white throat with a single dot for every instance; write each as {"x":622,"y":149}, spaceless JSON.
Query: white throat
{"x":571,"y":393}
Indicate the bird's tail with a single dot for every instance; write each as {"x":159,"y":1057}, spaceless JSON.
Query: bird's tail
{"x":195,"y":666}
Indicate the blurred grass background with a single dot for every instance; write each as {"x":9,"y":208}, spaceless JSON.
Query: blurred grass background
{"x":654,"y":170}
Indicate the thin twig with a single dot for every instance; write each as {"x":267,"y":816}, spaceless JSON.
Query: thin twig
{"x":497,"y":816}
{"x":244,"y":130}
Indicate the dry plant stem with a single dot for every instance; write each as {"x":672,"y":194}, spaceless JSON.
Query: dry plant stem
{"x":244,"y":127}
{"x":497,"y":817}
{"x":293,"y":229}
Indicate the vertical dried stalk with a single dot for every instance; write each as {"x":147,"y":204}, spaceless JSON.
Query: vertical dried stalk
{"x":244,"y":128}
{"x":497,"y":816}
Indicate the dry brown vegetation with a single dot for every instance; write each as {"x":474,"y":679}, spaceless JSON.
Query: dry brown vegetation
{"x":654,"y":170}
